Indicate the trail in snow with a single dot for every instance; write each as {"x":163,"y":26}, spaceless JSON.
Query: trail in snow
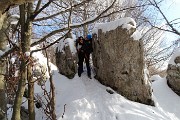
{"x":87,"y":99}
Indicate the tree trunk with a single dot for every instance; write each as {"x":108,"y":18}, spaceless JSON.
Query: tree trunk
{"x":30,"y":94}
{"x":30,"y":80}
{"x":25,"y":47}
{"x":3,"y":102}
{"x":3,"y":43}
{"x":85,"y":15}
{"x":52,"y":90}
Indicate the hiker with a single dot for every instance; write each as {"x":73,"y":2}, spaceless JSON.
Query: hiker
{"x":84,"y":49}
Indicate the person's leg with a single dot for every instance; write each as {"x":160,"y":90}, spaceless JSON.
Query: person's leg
{"x":80,"y":63}
{"x":87,"y":58}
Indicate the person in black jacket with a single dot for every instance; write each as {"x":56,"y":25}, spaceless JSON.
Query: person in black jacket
{"x":84,"y":49}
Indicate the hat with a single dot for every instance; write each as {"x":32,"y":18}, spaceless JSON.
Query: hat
{"x":89,"y":37}
{"x":80,"y":37}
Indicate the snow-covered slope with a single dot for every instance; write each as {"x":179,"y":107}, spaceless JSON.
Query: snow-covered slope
{"x":166,"y":98}
{"x":87,"y":99}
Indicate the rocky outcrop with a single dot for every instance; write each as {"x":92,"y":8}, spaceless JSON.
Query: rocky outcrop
{"x":66,"y":61}
{"x":173,"y":75}
{"x":119,"y":63}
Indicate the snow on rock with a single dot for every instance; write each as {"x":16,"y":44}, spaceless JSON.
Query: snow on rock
{"x":126,"y":23}
{"x":40,"y":60}
{"x":14,"y":19}
{"x":67,"y":42}
{"x":136,"y":35}
{"x":176,"y":54}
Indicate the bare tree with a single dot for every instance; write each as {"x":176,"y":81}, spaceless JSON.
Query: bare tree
{"x":170,"y":25}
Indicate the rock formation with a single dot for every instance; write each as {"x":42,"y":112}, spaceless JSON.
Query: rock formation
{"x":173,"y":74}
{"x":66,"y":60}
{"x":119,"y":63}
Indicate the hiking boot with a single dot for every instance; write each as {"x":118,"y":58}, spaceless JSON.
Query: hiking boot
{"x":79,"y":74}
{"x":89,"y":76}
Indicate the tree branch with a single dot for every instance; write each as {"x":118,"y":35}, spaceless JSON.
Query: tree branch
{"x":51,"y":43}
{"x":73,"y":26}
{"x":168,"y":23}
{"x":132,"y":7}
{"x":61,"y":12}
{"x":40,"y":10}
{"x":38,"y":5}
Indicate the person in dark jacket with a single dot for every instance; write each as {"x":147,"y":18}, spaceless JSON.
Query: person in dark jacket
{"x":84,"y":49}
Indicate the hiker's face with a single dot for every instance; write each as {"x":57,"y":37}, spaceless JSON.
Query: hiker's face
{"x":81,"y":40}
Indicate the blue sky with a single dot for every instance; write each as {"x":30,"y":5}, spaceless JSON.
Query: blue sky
{"x":171,"y":8}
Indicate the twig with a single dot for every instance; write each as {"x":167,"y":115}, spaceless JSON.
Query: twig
{"x":64,"y":110}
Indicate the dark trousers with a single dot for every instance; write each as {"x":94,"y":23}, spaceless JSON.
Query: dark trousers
{"x":82,"y":56}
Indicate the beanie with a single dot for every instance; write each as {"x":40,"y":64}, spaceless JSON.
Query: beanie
{"x":89,"y":37}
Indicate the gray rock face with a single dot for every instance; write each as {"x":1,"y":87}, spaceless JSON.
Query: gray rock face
{"x":66,"y":62}
{"x":173,"y":76}
{"x":119,"y":63}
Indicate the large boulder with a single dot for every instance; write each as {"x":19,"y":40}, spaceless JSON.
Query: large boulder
{"x":119,"y":63}
{"x":66,"y":58}
{"x":173,"y":73}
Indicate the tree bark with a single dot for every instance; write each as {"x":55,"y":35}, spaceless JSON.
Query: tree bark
{"x":29,"y":72}
{"x":3,"y":43}
{"x":85,"y":16}
{"x":3,"y":102}
{"x":52,"y":90}
{"x":25,"y":47}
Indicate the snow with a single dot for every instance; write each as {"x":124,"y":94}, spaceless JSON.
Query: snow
{"x":1,"y":52}
{"x":87,"y":99}
{"x":126,"y":23}
{"x":136,"y":35}
{"x":27,"y":54}
{"x":40,"y":60}
{"x":67,"y":42}
{"x":14,"y":22}
{"x":13,"y":59}
{"x":14,"y":19}
{"x":5,"y":49}
{"x":176,"y":54}
{"x":155,"y":77}
{"x":166,"y":98}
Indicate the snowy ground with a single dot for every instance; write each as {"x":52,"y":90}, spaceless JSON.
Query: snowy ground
{"x":165,"y":97}
{"x":87,"y":99}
